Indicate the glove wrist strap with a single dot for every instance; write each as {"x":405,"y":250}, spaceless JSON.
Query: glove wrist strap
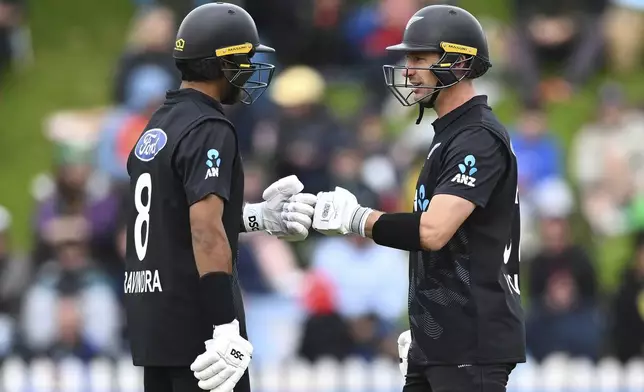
{"x":359,"y":220}
{"x":253,"y":217}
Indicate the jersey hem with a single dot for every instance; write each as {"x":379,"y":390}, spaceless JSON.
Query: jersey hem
{"x":142,"y":363}
{"x":471,"y":362}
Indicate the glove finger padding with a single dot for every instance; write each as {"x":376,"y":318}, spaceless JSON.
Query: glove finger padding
{"x":205,"y":360}
{"x":300,"y":207}
{"x":229,"y":385}
{"x":306,"y":198}
{"x":296,"y":217}
{"x":296,"y":232}
{"x":287,"y":186}
{"x":219,"y":379}
{"x":211,"y":371}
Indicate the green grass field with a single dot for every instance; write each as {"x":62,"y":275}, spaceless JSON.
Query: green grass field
{"x":76,"y":46}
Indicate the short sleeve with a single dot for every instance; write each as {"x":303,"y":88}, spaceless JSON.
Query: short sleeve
{"x":472,"y":166}
{"x":204,"y":160}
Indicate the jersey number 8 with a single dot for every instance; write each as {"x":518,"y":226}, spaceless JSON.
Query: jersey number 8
{"x":143,"y":214}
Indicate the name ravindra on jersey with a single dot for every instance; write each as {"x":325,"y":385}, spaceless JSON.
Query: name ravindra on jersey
{"x":188,"y":151}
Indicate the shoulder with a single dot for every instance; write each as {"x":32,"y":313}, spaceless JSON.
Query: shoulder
{"x":475,"y":138}
{"x":206,"y":131}
{"x":207,"y":127}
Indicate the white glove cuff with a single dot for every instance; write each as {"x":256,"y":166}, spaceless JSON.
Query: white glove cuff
{"x":359,"y":220}
{"x":253,"y":217}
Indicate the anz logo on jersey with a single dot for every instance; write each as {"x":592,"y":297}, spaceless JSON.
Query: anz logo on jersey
{"x":421,"y":202}
{"x":213,"y":163}
{"x":150,"y":144}
{"x":467,"y":170}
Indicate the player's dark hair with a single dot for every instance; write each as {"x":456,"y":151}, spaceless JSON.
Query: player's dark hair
{"x":200,"y":70}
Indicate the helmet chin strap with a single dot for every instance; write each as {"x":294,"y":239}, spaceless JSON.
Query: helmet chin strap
{"x":429,"y":104}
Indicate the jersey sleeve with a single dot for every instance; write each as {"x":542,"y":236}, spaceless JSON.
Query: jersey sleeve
{"x":204,"y":160}
{"x":472,"y":166}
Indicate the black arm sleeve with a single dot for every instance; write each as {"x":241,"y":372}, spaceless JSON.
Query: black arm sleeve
{"x":204,"y":160}
{"x":472,"y":166}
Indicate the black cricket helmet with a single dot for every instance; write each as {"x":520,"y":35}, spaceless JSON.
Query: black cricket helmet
{"x":450,"y":31}
{"x":226,"y":32}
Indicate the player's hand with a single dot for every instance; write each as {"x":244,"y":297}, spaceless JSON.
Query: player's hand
{"x":404,"y":341}
{"x":338,"y":213}
{"x":286,"y":213}
{"x":226,"y":359}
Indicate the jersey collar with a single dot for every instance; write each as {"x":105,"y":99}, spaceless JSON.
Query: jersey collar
{"x":443,"y":122}
{"x":188,"y":93}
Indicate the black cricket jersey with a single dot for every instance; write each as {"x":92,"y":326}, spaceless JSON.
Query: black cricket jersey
{"x":464,"y":299}
{"x":187,"y":151}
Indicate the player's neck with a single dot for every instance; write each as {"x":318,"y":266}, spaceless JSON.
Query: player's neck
{"x":209,"y":89}
{"x":451,"y":98}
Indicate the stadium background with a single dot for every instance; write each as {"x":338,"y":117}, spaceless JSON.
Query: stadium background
{"x":80,"y":77}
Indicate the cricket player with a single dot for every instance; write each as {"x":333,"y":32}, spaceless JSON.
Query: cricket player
{"x":183,"y":302}
{"x":467,"y":324}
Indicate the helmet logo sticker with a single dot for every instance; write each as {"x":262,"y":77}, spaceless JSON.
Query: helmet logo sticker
{"x":179,"y":44}
{"x":237,"y":49}
{"x":456,"y":48}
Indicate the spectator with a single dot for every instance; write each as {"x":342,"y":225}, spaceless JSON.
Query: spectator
{"x":628,"y":308}
{"x":74,"y":194}
{"x":566,"y":31}
{"x":563,"y":313}
{"x":124,"y":124}
{"x":538,"y":153}
{"x":70,"y":309}
{"x":608,"y":163}
{"x":308,"y":134}
{"x":368,"y":278}
{"x":345,"y":170}
{"x":14,"y":276}
{"x":370,"y":29}
{"x":624,"y":32}
{"x":378,"y":171}
{"x":10,"y":20}
{"x":151,"y":42}
{"x":370,"y":285}
{"x":325,"y":333}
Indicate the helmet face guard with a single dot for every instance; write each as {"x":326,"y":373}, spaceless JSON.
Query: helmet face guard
{"x":449,"y":70}
{"x":250,"y":79}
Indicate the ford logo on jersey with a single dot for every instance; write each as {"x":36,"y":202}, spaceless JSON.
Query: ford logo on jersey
{"x":149,"y":145}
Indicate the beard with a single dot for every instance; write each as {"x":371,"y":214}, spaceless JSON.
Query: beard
{"x":232,"y":95}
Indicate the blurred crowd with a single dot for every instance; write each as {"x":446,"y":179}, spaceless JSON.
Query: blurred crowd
{"x":328,"y":118}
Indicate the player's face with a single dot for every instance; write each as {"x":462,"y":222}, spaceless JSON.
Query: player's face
{"x":423,"y":78}
{"x":230,"y":94}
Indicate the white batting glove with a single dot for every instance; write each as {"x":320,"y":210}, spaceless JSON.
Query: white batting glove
{"x":286,"y":213}
{"x":404,"y":342}
{"x":226,"y":359}
{"x":338,"y":213}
